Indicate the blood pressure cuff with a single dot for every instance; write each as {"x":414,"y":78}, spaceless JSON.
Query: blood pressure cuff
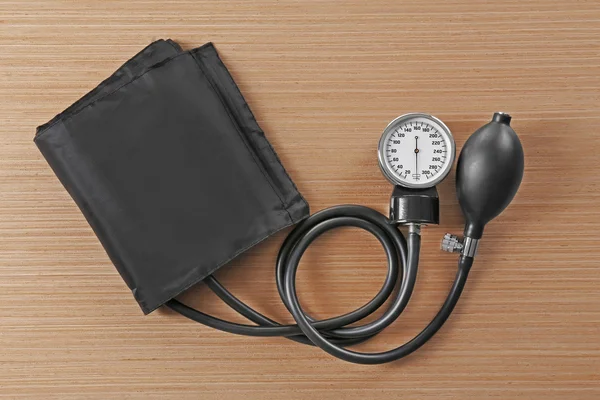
{"x":171,"y":170}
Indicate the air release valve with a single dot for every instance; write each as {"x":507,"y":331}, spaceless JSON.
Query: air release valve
{"x":451,"y":243}
{"x":467,"y":247}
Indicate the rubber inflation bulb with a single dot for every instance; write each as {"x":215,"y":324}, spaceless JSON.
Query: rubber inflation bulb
{"x":488,"y":174}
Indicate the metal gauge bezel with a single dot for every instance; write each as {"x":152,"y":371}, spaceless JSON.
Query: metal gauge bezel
{"x":386,"y":168}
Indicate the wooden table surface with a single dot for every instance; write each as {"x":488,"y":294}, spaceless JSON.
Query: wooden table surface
{"x":323,"y":78}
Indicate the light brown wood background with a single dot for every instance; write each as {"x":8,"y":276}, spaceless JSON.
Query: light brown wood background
{"x":323,"y":78}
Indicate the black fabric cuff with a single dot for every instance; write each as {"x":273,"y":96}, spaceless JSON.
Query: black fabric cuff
{"x":171,"y":170}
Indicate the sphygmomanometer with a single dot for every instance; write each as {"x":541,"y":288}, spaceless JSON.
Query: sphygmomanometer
{"x":171,"y":170}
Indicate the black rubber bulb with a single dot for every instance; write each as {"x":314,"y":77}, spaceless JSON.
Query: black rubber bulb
{"x":489,"y":172}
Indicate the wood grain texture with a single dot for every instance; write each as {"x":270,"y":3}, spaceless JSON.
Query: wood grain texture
{"x":323,"y":78}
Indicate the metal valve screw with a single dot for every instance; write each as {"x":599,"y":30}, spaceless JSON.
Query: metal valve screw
{"x":451,"y":243}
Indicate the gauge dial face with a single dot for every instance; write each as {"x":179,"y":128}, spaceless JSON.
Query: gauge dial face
{"x":416,"y":151}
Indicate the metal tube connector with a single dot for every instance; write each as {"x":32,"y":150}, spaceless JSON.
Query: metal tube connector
{"x":466,"y":247}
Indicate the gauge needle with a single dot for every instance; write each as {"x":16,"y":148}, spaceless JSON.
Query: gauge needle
{"x":416,"y":154}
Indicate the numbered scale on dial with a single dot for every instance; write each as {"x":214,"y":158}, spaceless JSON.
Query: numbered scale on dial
{"x":416,"y":151}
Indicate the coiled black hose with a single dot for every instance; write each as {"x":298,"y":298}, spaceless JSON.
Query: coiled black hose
{"x":334,"y":334}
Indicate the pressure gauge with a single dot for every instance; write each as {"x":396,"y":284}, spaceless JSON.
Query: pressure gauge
{"x":416,"y":151}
